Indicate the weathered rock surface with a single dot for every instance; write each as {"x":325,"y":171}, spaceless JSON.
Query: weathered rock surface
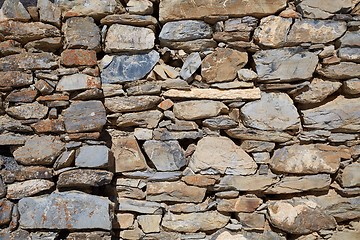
{"x":95,"y":9}
{"x":15,"y":79}
{"x":28,"y":188}
{"x":139,"y":206}
{"x":221,"y":155}
{"x":343,"y":70}
{"x":191,"y":64}
{"x":306,"y":159}
{"x":247,"y":183}
{"x":13,"y":10}
{"x":39,"y":150}
{"x":78,"y":57}
{"x":193,"y":222}
{"x":339,"y":114}
{"x":65,"y":210}
{"x":150,"y":223}
{"x":28,"y":61}
{"x":286,"y":64}
{"x":132,"y":103}
{"x":78,"y":81}
{"x":220,"y":122}
{"x":6,"y":208}
{"x":147,"y":119}
{"x":349,"y":176}
{"x":222,"y":65}
{"x":291,"y":216}
{"x":192,"y":110}
{"x":240,"y":204}
{"x":33,"y":110}
{"x":350,"y":39}
{"x":348,"y":54}
{"x":129,"y":19}
{"x":174,"y":192}
{"x":274,"y":111}
{"x":137,"y":39}
{"x":123,"y":68}
{"x":96,"y":156}
{"x":173,"y":10}
{"x":215,"y":94}
{"x":84,"y":117}
{"x":166,"y":156}
{"x":323,"y":10}
{"x":82,"y":178}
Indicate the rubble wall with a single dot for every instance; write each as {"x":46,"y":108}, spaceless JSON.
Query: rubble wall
{"x":179,"y":119}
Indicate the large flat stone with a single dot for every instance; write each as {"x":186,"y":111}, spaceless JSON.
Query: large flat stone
{"x":125,"y":67}
{"x":33,"y":110}
{"x":274,"y":111}
{"x":94,"y":8}
{"x":306,"y":159}
{"x":187,"y":9}
{"x":343,"y":70}
{"x":65,"y":210}
{"x":131,"y":103}
{"x":83,"y":178}
{"x":192,"y":110}
{"x":341,"y":114}
{"x":221,"y":155}
{"x":28,"y":61}
{"x":214,"y":94}
{"x":13,"y":10}
{"x":78,"y":81}
{"x":139,"y":206}
{"x":322,"y":9}
{"x":39,"y":150}
{"x":285,"y":64}
{"x":136,"y":39}
{"x":84,"y":116}
{"x":96,"y":156}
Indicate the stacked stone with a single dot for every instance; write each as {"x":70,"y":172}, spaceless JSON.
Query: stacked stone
{"x":192,"y":119}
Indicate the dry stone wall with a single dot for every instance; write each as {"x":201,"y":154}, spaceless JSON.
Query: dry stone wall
{"x":180,"y":119}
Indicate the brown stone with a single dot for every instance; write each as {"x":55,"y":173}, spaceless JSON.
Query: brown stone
{"x":15,"y":79}
{"x":166,"y":104}
{"x":13,"y":10}
{"x":240,"y":204}
{"x":49,"y":126}
{"x":54,"y":97}
{"x":28,"y":61}
{"x":200,"y":180}
{"x":78,"y":57}
{"x":26,"y":95}
{"x":132,"y":103}
{"x":33,"y":110}
{"x":44,"y":87}
{"x":81,"y":136}
{"x":247,"y":183}
{"x":129,"y":19}
{"x":45,"y":44}
{"x":25,"y":173}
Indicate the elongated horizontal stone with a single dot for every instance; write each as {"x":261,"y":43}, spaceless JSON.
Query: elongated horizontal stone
{"x":28,"y":61}
{"x":78,"y":81}
{"x":132,"y":103}
{"x":28,"y":188}
{"x":188,"y":9}
{"x":247,"y":183}
{"x":82,"y":178}
{"x":96,"y":156}
{"x":33,"y":110}
{"x":65,"y":210}
{"x":343,"y":70}
{"x":192,"y":110}
{"x":15,"y":79}
{"x":215,"y":94}
{"x":259,"y":135}
{"x":139,"y":206}
{"x":129,"y":19}
{"x":240,"y":204}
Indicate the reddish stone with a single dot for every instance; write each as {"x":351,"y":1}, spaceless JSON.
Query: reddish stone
{"x":78,"y":57}
{"x":49,"y":126}
{"x":54,"y":97}
{"x":81,"y":136}
{"x":200,"y":180}
{"x":10,"y":47}
{"x":166,"y":104}
{"x":15,"y":79}
{"x":240,"y":204}
{"x":24,"y":95}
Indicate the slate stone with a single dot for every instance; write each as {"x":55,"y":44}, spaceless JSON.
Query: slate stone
{"x":82,"y":178}
{"x":285,"y":64}
{"x":274,"y":111}
{"x":28,"y":111}
{"x":320,"y":9}
{"x":139,"y":206}
{"x":220,"y":122}
{"x":191,"y":64}
{"x":84,"y":116}
{"x":49,"y":12}
{"x":129,"y":19}
{"x":124,"y":67}
{"x":350,"y":39}
{"x":349,"y":176}
{"x":39,"y":150}
{"x":13,"y":10}
{"x":193,"y":110}
{"x":241,"y":204}
{"x":28,"y":61}
{"x":247,"y":183}
{"x":348,"y":54}
{"x":131,"y":103}
{"x":15,"y":79}
{"x":148,"y":119}
{"x":93,"y":157}
{"x":182,"y":31}
{"x":25,"y":95}
{"x":65,"y":210}
{"x":28,"y":188}
{"x":166,"y":156}
{"x":341,"y":71}
{"x":78,"y":81}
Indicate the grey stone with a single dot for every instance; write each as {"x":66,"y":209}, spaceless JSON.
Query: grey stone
{"x":221,"y":155}
{"x":191,"y":46}
{"x":339,"y":114}
{"x":348,"y":54}
{"x":351,"y":86}
{"x":274,"y":111}
{"x":131,"y":104}
{"x":28,"y":111}
{"x":144,"y":89}
{"x":78,"y":81}
{"x":28,"y":61}
{"x":45,"y":44}
{"x":65,"y":210}
{"x":84,"y":116}
{"x":193,"y":110}
{"x":93,"y":157}
{"x":44,"y":235}
{"x":139,"y":206}
{"x":257,"y":146}
{"x":6,"y":208}
{"x":2,"y":189}
{"x":39,"y":150}
{"x":136,"y":39}
{"x":9,"y":138}
{"x":341,"y":71}
{"x":166,"y":156}
{"x":89,"y":235}
{"x":125,"y":67}
{"x":28,"y":188}
{"x":186,"y":30}
{"x":191,"y":64}
{"x":165,"y":135}
{"x":17,"y":234}
{"x":15,"y":79}
{"x":285,"y":64}
{"x":66,"y":159}
{"x":349,"y":176}
{"x":350,"y":39}
{"x":13,"y":10}
{"x":81,"y":32}
{"x":129,"y":19}
{"x":14,"y":172}
{"x":323,"y":9}
{"x":49,"y":12}
{"x":82,"y":178}
{"x":148,"y":119}
{"x":10,"y":124}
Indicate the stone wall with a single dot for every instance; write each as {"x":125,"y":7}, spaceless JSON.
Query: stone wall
{"x":180,"y":119}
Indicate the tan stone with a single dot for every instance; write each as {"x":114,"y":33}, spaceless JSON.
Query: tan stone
{"x":125,"y":220}
{"x":240,"y":204}
{"x":129,"y":19}
{"x":27,"y":188}
{"x":200,"y":180}
{"x":222,"y":65}
{"x":150,"y":223}
{"x":192,"y":110}
{"x":215,"y":94}
{"x":132,"y":103}
{"x":247,"y":183}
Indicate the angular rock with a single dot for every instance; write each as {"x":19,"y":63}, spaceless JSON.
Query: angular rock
{"x":15,"y":79}
{"x":348,"y":54}
{"x":150,"y":223}
{"x":6,"y":208}
{"x":215,"y":94}
{"x":22,"y":173}
{"x":257,"y":146}
{"x":200,"y":180}
{"x":65,"y":210}
{"x":78,"y":81}
{"x":343,"y":70}
{"x":89,"y":235}
{"x":222,"y":65}
{"x":27,"y":32}
{"x":78,"y":57}
{"x":84,"y":117}
{"x":49,"y":12}
{"x":139,"y":206}
{"x":191,"y":46}
{"x":174,"y":192}
{"x":136,"y":39}
{"x":96,"y":9}
{"x":166,"y":156}
{"x":317,"y":91}
{"x":322,"y":9}
{"x":251,"y":221}
{"x":191,"y":64}
{"x":247,"y":183}
{"x":258,"y":135}
{"x":2,"y":189}
{"x":274,"y":111}
{"x":292,"y":216}
{"x":140,"y":7}
{"x":350,"y":235}
{"x":287,"y":185}
{"x":127,"y":154}
{"x":17,"y":234}
{"x":148,"y":119}
{"x":39,"y":150}
{"x":144,"y":89}
{"x":193,"y":110}
{"x":132,"y":103}
{"x":350,"y":177}
{"x":193,"y":222}
{"x":49,"y":126}
{"x":28,"y":111}
{"x":124,"y":67}
{"x":221,"y":155}
{"x":25,"y":95}
{"x":165,"y":135}
{"x":340,"y":114}
{"x":129,"y":19}
{"x":9,"y":47}
{"x":220,"y":122}
{"x":28,"y":188}
{"x":13,"y":10}
{"x":28,"y":61}
{"x":306,"y":159}
{"x":82,"y":178}
{"x":285,"y":64}
{"x":240,"y":204}
{"x":273,"y":31}
{"x":45,"y":44}
{"x":81,"y":32}
{"x":96,"y":156}
{"x":174,"y":10}
{"x":10,"y":124}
